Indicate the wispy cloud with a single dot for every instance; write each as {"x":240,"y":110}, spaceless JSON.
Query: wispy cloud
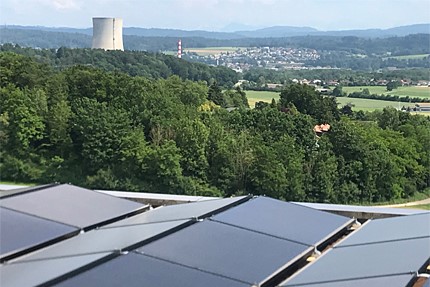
{"x":62,"y":4}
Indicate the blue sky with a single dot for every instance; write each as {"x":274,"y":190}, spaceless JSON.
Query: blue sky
{"x":213,"y":15}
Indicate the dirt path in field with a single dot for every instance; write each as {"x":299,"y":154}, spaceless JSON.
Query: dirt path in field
{"x":420,"y":202}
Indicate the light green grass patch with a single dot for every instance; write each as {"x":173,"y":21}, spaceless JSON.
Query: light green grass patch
{"x":408,"y":57}
{"x":261,"y":96}
{"x":371,"y":105}
{"x":412,"y":91}
{"x":359,"y":104}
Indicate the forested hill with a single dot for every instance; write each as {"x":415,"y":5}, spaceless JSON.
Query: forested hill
{"x":405,"y":45}
{"x":113,"y":131}
{"x":134,"y":63}
{"x":268,"y":32}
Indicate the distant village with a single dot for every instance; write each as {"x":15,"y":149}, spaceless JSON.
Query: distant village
{"x":275,"y":58}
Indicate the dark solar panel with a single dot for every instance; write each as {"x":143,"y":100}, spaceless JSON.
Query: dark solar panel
{"x":71,"y":205}
{"x":103,"y":240}
{"x":362,"y":261}
{"x":392,"y":281}
{"x":19,"y":231}
{"x":180,"y":211}
{"x":33,"y":273}
{"x":283,"y":219}
{"x":233,"y":252}
{"x":396,"y":228}
{"x":18,"y":191}
{"x":134,"y":270}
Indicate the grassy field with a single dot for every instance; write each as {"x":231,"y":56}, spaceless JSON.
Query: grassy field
{"x":260,"y":96}
{"x":409,"y":57}
{"x":419,"y":92}
{"x":359,"y":104}
{"x":211,"y":50}
{"x":371,"y":105}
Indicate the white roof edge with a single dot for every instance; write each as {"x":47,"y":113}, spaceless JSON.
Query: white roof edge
{"x":359,"y":208}
{"x":157,"y":196}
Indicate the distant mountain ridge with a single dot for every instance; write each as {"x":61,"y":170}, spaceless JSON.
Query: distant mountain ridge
{"x":269,"y":32}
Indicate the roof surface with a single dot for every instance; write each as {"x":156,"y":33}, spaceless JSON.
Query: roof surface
{"x":69,"y":236}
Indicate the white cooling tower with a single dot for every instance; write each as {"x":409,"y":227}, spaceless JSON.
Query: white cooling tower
{"x":107,"y":34}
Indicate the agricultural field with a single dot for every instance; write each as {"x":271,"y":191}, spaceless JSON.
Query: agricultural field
{"x":413,"y":91}
{"x":260,"y":96}
{"x":359,"y":104}
{"x":409,"y":57}
{"x":211,"y":50}
{"x":371,"y":105}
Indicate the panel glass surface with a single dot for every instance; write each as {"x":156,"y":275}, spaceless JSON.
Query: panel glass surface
{"x":395,"y":228}
{"x":392,"y":281}
{"x":283,"y":219}
{"x":179,"y":211}
{"x":19,"y":231}
{"x":226,"y":250}
{"x":71,"y":205}
{"x":102,"y":240}
{"x":135,"y":270}
{"x":361,"y":261}
{"x":34,"y":273}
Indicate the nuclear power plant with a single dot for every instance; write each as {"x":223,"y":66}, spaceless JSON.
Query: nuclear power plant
{"x":107,"y":34}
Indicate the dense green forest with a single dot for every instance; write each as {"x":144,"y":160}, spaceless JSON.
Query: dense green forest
{"x":134,"y":63}
{"x":112,"y":130}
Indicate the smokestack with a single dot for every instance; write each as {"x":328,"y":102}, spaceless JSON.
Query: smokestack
{"x":107,"y":34}
{"x":179,"y":49}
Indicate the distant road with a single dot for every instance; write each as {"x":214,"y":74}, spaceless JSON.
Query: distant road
{"x":11,"y":186}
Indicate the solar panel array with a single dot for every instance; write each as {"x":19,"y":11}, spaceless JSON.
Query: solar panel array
{"x":71,"y":205}
{"x":79,"y":249}
{"x":68,"y":236}
{"x":241,"y":246}
{"x":20,"y":231}
{"x":386,"y":252}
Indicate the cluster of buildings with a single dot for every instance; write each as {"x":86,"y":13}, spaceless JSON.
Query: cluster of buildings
{"x":275,"y":58}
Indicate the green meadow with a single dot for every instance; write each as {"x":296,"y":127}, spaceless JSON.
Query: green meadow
{"x":409,"y":57}
{"x":359,"y":104}
{"x":411,"y":91}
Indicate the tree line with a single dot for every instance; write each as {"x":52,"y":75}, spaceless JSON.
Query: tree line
{"x":406,"y":45}
{"x":350,"y":52}
{"x":111,"y":130}
{"x":134,"y":63}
